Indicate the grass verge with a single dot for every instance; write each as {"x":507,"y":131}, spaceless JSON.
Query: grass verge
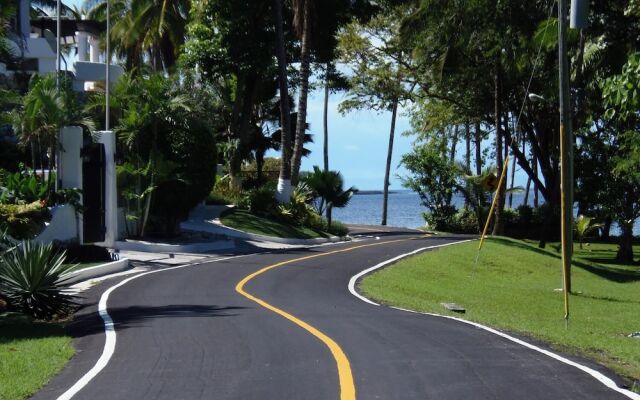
{"x":247,"y":222}
{"x":513,"y":288}
{"x":30,"y":354}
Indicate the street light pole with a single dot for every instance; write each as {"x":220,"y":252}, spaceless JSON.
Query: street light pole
{"x":58,"y":36}
{"x":108,"y":66}
{"x":566,"y":156}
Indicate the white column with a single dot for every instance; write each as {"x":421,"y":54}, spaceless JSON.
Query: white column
{"x":108,"y":138}
{"x":94,"y":49}
{"x":70,"y":171}
{"x":82,"y":39}
{"x":24,"y":17}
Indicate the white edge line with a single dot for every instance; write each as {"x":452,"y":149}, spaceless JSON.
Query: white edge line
{"x":109,"y":328}
{"x":608,"y":382}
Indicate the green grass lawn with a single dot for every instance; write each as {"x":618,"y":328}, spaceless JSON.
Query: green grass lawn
{"x":247,"y":222}
{"x":512,"y":288}
{"x":30,"y":354}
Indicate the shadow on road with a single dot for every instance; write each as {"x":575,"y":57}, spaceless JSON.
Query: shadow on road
{"x":89,"y":323}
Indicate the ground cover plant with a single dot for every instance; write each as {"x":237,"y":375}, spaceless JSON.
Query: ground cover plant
{"x":513,"y":287}
{"x":31,"y":352}
{"x":245,"y":221}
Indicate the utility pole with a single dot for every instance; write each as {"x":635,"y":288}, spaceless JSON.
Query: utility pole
{"x":58,"y":36}
{"x":107,"y":62}
{"x":566,"y":155}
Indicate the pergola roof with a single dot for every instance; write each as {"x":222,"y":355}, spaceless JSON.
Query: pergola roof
{"x":69,"y":27}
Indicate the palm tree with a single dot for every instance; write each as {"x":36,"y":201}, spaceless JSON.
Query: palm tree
{"x":583,"y":226}
{"x":328,"y":187}
{"x":45,"y":110}
{"x":151,"y":30}
{"x":303,"y":10}
{"x":284,"y":180}
{"x":149,"y":107}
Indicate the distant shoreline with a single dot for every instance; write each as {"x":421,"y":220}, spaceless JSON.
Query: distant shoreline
{"x":369,"y":192}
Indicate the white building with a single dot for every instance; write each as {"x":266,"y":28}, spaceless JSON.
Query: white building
{"x":34,"y":42}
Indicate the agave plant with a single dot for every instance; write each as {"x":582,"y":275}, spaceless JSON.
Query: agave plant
{"x":32,"y":280}
{"x":583,"y":226}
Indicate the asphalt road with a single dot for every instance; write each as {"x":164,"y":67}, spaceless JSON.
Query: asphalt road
{"x":189,"y":334}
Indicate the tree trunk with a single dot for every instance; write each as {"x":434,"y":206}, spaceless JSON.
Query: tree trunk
{"x":478,"y":140}
{"x":246,"y":99}
{"x":283,"y":192}
{"x":304,"y":92}
{"x":387,"y":171}
{"x":625,"y":249}
{"x":325,"y":120}
{"x":259,"y":167}
{"x":498,"y":226}
{"x":467,"y":142}
{"x":535,"y":187}
{"x":606,"y":229}
{"x":526,"y":193}
{"x":513,"y":178}
{"x":454,"y":144}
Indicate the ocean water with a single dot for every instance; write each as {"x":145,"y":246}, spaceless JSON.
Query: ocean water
{"x":405,"y":210}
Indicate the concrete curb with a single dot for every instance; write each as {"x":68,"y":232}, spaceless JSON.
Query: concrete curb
{"x":149,"y":247}
{"x":86,"y":274}
{"x":217,"y":228}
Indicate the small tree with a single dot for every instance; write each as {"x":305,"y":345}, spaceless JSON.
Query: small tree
{"x":434,"y":179}
{"x":584,"y":226}
{"x":328,"y":187}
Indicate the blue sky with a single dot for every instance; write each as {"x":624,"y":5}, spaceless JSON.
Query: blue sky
{"x":358,"y":143}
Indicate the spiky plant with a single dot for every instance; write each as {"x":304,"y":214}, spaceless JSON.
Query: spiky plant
{"x":32,"y":280}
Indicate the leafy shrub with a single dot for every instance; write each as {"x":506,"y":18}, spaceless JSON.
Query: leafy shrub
{"x":441,"y":218}
{"x":465,"y":221}
{"x":32,"y":280}
{"x":260,"y":201}
{"x":222,"y":194}
{"x":23,"y":186}
{"x":338,"y":229}
{"x":299,"y":210}
{"x":525,"y":215}
{"x":23,"y":221}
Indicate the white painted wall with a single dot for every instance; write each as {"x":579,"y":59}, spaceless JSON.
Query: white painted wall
{"x":108,"y":138}
{"x":64,"y":226}
{"x":71,"y":141}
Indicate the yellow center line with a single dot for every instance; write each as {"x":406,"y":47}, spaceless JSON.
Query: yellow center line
{"x":347,"y":387}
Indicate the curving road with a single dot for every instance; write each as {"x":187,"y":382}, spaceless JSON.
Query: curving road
{"x":215,"y":331}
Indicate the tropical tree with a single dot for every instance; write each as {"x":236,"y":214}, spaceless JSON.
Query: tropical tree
{"x":382,"y":73}
{"x":328,"y":187}
{"x":44,"y":111}
{"x":584,"y":226}
{"x":150,"y":109}
{"x":283,"y":191}
{"x":232,"y":45}
{"x":151,"y":30}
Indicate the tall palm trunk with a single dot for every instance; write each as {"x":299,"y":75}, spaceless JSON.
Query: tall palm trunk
{"x":283,"y":192}
{"x":535,"y":187}
{"x":513,"y":178}
{"x":498,"y":227}
{"x":325,"y":120}
{"x":387,"y":171}
{"x":467,"y":149}
{"x":304,"y":93}
{"x":478,"y":140}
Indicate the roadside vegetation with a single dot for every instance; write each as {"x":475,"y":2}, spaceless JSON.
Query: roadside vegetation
{"x":514,"y":287}
{"x":31,"y":352}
